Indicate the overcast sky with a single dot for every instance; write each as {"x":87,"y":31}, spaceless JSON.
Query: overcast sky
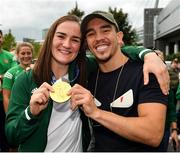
{"x":27,"y":18}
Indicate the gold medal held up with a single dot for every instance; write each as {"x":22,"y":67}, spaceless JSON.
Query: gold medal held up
{"x":61,"y":89}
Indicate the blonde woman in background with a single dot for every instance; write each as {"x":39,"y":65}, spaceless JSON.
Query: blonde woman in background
{"x":24,"y":53}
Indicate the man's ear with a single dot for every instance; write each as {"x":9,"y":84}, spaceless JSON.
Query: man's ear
{"x":120,"y":38}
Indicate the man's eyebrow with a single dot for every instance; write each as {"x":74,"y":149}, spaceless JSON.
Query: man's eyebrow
{"x":102,"y":27}
{"x":106,"y":26}
{"x":88,"y":30}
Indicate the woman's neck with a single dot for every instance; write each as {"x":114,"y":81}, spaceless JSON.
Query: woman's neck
{"x":60,"y":70}
{"x":24,"y":66}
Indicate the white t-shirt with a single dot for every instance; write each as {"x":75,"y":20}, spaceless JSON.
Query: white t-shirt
{"x":65,"y":129}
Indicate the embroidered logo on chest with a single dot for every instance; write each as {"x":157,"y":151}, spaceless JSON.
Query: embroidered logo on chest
{"x":124,"y":101}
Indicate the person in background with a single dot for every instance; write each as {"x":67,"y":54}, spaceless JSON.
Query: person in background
{"x":170,"y":132}
{"x":178,"y":110}
{"x":126,"y":114}
{"x":24,"y":52}
{"x":34,"y":121}
{"x":6,"y":62}
{"x":174,"y":77}
{"x":174,"y":83}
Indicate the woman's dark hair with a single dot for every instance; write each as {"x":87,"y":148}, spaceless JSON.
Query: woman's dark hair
{"x":81,"y":60}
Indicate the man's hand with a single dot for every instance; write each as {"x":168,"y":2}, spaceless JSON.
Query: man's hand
{"x":154,"y":64}
{"x":81,"y":97}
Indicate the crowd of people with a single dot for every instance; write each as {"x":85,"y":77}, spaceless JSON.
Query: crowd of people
{"x":117,"y":102}
{"x":172,"y":121}
{"x":174,"y":72}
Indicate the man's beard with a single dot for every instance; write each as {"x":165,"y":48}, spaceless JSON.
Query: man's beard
{"x":102,"y":61}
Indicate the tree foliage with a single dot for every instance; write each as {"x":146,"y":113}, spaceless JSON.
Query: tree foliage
{"x":130,"y":36}
{"x":9,"y":41}
{"x":121,"y":18}
{"x":37,"y":47}
{"x":76,"y":11}
{"x":124,"y":26}
{"x":170,"y":57}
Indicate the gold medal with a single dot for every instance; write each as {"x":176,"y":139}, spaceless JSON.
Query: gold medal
{"x":61,"y":89}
